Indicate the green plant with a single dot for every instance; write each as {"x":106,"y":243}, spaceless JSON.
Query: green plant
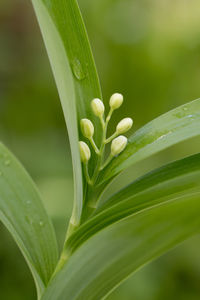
{"x":107,"y":239}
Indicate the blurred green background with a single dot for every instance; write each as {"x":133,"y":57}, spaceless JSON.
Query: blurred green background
{"x":149,"y":50}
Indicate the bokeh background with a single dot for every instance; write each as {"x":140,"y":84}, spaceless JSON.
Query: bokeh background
{"x":147,"y":49}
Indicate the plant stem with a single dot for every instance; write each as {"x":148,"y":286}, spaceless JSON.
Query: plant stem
{"x":64,"y":254}
{"x":108,"y":140}
{"x":102,"y":147}
{"x":110,"y":157}
{"x":109,"y":115}
{"x":87,"y":176}
{"x":92,"y":142}
{"x":92,"y":193}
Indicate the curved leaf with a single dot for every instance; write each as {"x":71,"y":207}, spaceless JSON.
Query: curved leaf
{"x":176,"y":179}
{"x":169,"y":129}
{"x":177,"y":176}
{"x":22,"y":212}
{"x":74,"y":71}
{"x":110,"y":256}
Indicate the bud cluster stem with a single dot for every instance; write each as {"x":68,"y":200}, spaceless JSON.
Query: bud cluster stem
{"x":119,"y":141}
{"x":94,"y":146}
{"x":114,"y":135}
{"x":87,"y":176}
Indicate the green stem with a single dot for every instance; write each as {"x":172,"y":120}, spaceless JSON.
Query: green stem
{"x":92,"y":192}
{"x":114,"y":135}
{"x":87,"y":176}
{"x":64,"y":255}
{"x":109,"y":115}
{"x":102,"y":148}
{"x":110,"y":157}
{"x":92,"y":142}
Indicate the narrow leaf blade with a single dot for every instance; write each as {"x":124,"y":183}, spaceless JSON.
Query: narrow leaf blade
{"x":22,"y":212}
{"x":177,"y":176}
{"x":164,"y":184}
{"x":167,"y":130}
{"x":75,"y":74}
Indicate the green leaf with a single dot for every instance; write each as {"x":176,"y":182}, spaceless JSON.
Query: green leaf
{"x":146,"y":211}
{"x":169,"y":129}
{"x":22,"y":212}
{"x":74,"y":71}
{"x":179,"y":178}
{"x":110,"y":256}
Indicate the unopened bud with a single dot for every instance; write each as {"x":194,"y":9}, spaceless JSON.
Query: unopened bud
{"x":87,"y":128}
{"x":84,"y":152}
{"x":116,"y":100}
{"x":124,"y":125}
{"x":98,"y":107}
{"x":118,"y":145}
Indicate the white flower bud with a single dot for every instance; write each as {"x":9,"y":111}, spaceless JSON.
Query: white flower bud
{"x":124,"y":125}
{"x":98,"y":107}
{"x":116,"y":100}
{"x":84,"y":152}
{"x":87,"y":128}
{"x":118,"y":145}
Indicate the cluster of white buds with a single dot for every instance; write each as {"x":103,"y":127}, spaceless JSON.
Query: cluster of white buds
{"x":119,"y":141}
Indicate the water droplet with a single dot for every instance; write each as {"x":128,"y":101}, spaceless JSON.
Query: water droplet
{"x":41,"y":223}
{"x":7,"y":162}
{"x":190,"y":116}
{"x":28,"y":202}
{"x":78,"y":69}
{"x":161,"y":137}
{"x":164,"y":135}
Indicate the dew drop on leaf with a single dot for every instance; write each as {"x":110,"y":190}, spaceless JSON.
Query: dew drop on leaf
{"x":41,"y":223}
{"x":191,"y":117}
{"x":78,"y":69}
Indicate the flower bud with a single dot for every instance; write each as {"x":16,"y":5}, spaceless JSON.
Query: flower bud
{"x":118,"y":145}
{"x":124,"y":125}
{"x":87,"y":128}
{"x":116,"y":100}
{"x":84,"y":152}
{"x":98,"y":107}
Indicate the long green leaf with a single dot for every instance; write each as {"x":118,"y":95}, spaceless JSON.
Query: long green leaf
{"x":106,"y":259}
{"x":175,"y":179}
{"x":169,"y":129}
{"x":177,"y":176}
{"x":74,"y":71}
{"x":22,"y":212}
